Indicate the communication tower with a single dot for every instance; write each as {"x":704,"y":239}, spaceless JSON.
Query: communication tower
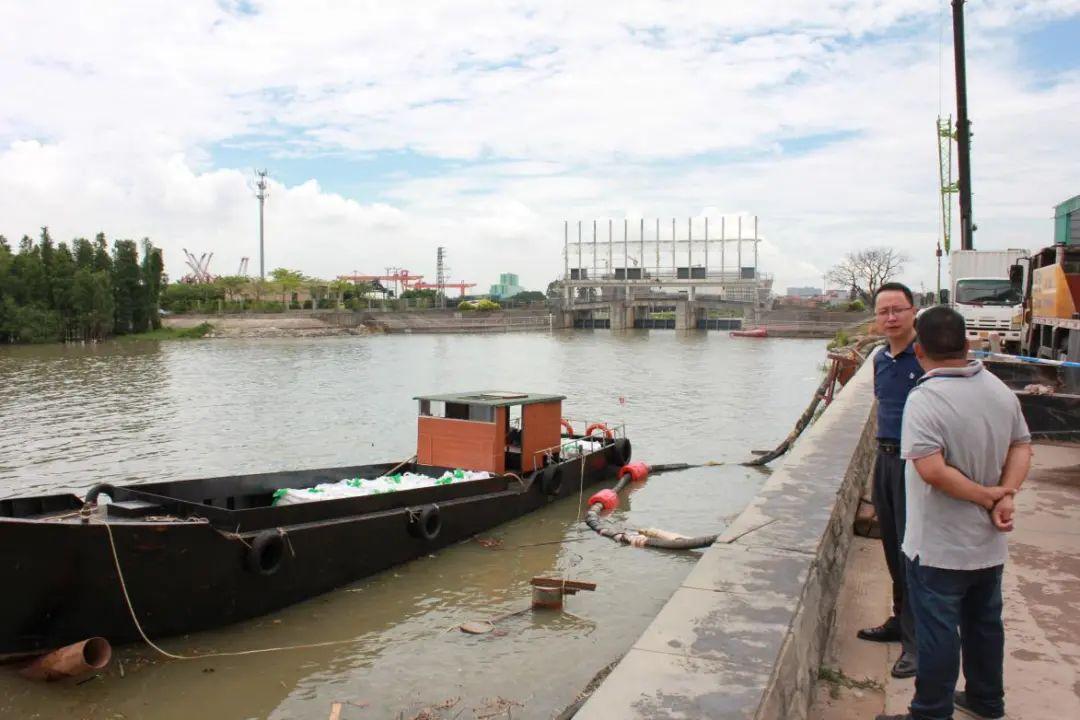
{"x":440,"y":276}
{"x":262,"y":192}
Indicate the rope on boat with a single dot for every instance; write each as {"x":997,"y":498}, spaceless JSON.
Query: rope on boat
{"x":200,"y":656}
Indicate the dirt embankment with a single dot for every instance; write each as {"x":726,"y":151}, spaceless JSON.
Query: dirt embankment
{"x":264,"y":326}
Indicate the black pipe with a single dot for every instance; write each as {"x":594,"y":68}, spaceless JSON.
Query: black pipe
{"x":963,"y":130}
{"x":592,"y":519}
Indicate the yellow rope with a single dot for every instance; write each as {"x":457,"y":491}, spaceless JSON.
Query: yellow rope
{"x":174,"y":656}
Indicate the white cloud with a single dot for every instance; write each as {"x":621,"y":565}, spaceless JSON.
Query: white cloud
{"x":576,"y":111}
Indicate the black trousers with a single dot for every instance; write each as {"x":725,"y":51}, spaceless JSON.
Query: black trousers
{"x":890,"y":503}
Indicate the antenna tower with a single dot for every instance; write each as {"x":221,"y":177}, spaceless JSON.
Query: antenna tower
{"x":948,"y":186}
{"x":262,"y":193}
{"x":440,"y":276}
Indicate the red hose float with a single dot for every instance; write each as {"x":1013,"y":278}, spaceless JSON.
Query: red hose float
{"x":605,"y":497}
{"x":600,"y":426}
{"x":567,"y":426}
{"x":638,"y":471}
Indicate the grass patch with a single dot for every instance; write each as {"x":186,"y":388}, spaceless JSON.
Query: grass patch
{"x":840,"y":340}
{"x":837,"y":679}
{"x":167,"y":333}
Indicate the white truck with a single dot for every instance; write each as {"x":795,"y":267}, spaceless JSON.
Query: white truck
{"x":980,"y":290}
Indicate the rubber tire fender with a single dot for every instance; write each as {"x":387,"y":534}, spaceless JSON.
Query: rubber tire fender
{"x":621,"y":452}
{"x":266,"y":554}
{"x":427,"y":523}
{"x":551,"y":481}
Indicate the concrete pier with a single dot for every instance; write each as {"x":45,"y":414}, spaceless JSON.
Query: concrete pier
{"x":1042,"y":610}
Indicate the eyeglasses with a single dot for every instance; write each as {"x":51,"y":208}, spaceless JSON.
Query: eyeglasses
{"x":895,"y":311}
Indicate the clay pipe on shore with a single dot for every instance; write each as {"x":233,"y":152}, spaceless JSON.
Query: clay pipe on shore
{"x":70,"y":661}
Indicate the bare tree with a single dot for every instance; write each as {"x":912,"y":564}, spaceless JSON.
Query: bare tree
{"x":867,"y":270}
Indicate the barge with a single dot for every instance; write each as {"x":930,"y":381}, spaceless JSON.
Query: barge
{"x":203,"y":553}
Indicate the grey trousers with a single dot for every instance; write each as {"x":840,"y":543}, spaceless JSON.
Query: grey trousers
{"x":890,"y":503}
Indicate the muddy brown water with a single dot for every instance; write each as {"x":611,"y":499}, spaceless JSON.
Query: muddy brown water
{"x":142,"y":411}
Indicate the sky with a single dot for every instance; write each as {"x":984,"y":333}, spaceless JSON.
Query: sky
{"x":389,"y":129}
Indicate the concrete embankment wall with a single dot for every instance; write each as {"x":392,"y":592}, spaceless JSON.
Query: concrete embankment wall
{"x":744,"y":634}
{"x":314,"y":323}
{"x":456,"y":321}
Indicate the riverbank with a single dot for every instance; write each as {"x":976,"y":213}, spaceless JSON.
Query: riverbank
{"x":265,"y":326}
{"x":332,"y":323}
{"x":1042,"y":610}
{"x":743,"y":635}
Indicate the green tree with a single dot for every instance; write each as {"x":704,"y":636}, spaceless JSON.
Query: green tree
{"x":47,"y":250}
{"x":30,"y":283}
{"x":92,"y":300}
{"x":84,"y":253}
{"x":62,"y":281}
{"x":153,"y":269}
{"x":288,"y":281}
{"x":6,"y":259}
{"x":102,"y":261}
{"x":317,"y":290}
{"x":127,"y":293}
{"x":338,"y":289}
{"x":232,"y":286}
{"x":529,"y":296}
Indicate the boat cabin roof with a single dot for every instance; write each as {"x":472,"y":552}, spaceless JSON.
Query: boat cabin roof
{"x":492,"y":398}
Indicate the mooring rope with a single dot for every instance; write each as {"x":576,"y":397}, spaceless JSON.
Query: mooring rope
{"x":200,"y":656}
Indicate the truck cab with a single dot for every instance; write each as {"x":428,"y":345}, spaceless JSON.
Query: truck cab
{"x":1052,"y":291}
{"x":985,"y":293}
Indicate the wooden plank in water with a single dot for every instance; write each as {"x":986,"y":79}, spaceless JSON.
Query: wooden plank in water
{"x":567,"y":585}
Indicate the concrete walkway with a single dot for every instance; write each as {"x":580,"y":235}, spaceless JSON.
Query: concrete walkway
{"x":1042,"y":611}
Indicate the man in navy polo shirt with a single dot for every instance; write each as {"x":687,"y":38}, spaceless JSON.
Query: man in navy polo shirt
{"x":896,"y":371}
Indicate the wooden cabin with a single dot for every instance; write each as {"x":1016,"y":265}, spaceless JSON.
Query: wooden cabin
{"x":496,"y":431}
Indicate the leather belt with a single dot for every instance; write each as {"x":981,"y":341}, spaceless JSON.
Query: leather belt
{"x":888,"y":448}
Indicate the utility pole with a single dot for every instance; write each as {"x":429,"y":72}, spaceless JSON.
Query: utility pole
{"x":262,"y":194}
{"x":963,"y":130}
{"x":937,"y":297}
{"x":440,"y":276}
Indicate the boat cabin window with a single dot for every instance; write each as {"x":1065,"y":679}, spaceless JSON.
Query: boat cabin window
{"x":457,"y":411}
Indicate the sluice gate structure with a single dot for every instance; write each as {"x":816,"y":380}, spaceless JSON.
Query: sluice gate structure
{"x":703,"y":274}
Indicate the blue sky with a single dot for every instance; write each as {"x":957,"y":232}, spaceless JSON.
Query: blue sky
{"x":483,"y":127}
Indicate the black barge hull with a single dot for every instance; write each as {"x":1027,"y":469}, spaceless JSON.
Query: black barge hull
{"x":200,"y":554}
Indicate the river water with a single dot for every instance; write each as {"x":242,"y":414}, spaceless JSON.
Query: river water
{"x":140,"y":411}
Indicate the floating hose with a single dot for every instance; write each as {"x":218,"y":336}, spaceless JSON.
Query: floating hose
{"x":608,"y":499}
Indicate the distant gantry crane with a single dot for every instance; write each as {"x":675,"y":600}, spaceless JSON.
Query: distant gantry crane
{"x":461,"y":287}
{"x":402,"y":279}
{"x":243,"y":270}
{"x":200,"y":268}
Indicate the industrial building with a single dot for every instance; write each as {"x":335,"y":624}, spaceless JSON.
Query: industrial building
{"x":507,"y":287}
{"x":623,"y":277}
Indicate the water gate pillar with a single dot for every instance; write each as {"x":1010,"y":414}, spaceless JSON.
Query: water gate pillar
{"x":622,"y":315}
{"x":686,"y":315}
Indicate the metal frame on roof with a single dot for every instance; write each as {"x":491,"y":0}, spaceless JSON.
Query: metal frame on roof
{"x":492,"y":398}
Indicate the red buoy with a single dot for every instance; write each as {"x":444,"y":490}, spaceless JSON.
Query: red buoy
{"x":638,"y":471}
{"x":605,"y":497}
